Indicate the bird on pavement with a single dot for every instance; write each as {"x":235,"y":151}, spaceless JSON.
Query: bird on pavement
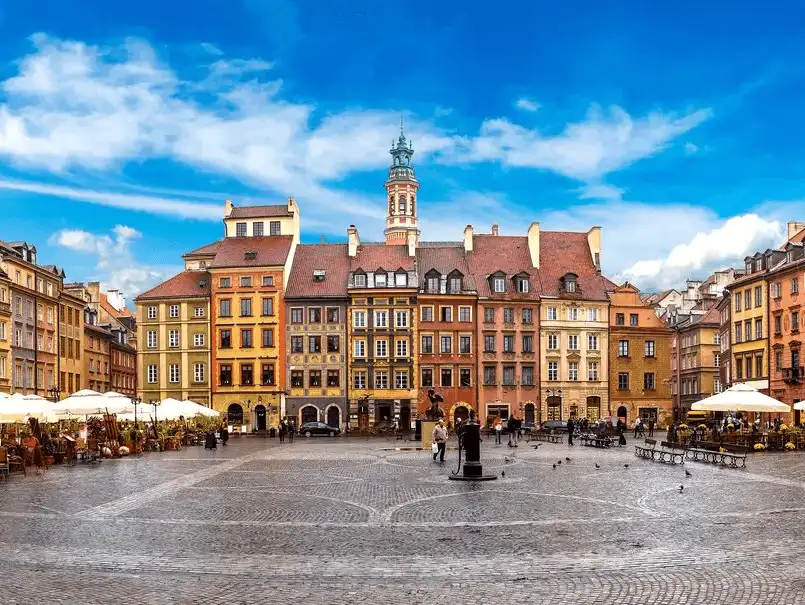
{"x":681,"y":488}
{"x":688,"y":473}
{"x":554,"y":467}
{"x":558,"y":462}
{"x":597,"y":465}
{"x":625,"y":466}
{"x":503,"y":474}
{"x":506,"y":458}
{"x":566,"y":458}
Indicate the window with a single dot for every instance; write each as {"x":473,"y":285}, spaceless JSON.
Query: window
{"x":257,"y":229}
{"x":465,"y":377}
{"x":739,"y":368}
{"x":245,"y":307}
{"x":381,"y":379}
{"x":454,"y":284}
{"x":489,"y":315}
{"x":573,"y":370}
{"x":333,"y":315}
{"x":246,"y":374}
{"x":573,"y":342}
{"x":401,"y":379}
{"x":427,"y":377}
{"x":401,"y":280}
{"x":633,"y":319}
{"x":465,"y":345}
{"x":620,"y":319}
{"x":152,"y":373}
{"x":447,"y":377}
{"x":528,"y":316}
{"x":427,"y":344}
{"x":380,"y":280}
{"x":198,"y":312}
{"x":446,"y":344}
{"x":198,"y":372}
{"x":758,"y":328}
{"x":716,"y":360}
{"x":297,"y":378}
{"x":226,"y":339}
{"x":465,"y":314}
{"x":240,"y":229}
{"x":738,"y":332}
{"x":778,"y":324}
{"x":268,"y":337}
{"x":522,"y":285}
{"x":198,"y":339}
{"x":649,"y":348}
{"x":381,"y":319}
{"x":498,"y":285}
{"x":401,"y":319}
{"x":759,"y":365}
{"x":778,"y":360}
{"x":268,"y":306}
{"x":573,"y":313}
{"x":794,"y":322}
{"x":758,"y":296}
{"x":592,"y":370}
{"x":528,"y":344}
{"x":402,"y":348}
{"x":173,"y":373}
{"x":446,"y":314}
{"x":648,"y":381}
{"x":268,"y":280}
{"x":776,"y":290}
{"x":246,"y":338}
{"x":426,"y":313}
{"x":592,"y":314}
{"x":333,"y":344}
{"x":717,"y":338}
{"x":314,"y":344}
{"x":432,"y":283}
{"x":748,"y":329}
{"x":333,"y":378}
{"x":314,"y":378}
{"x":737,"y":301}
{"x":553,"y":370}
{"x":297,"y":344}
{"x":359,"y":319}
{"x":245,"y":281}
{"x":508,"y":375}
{"x":274,"y":227}
{"x":381,"y":348}
{"x":527,"y":375}
{"x":490,"y":375}
{"x":151,"y":338}
{"x":173,"y":338}
{"x":747,"y":299}
{"x":748,"y":367}
{"x":225,"y":307}
{"x":592,"y":342}
{"x":359,"y":348}
{"x":152,"y":311}
{"x":314,"y":315}
{"x":297,"y":315}
{"x":224,"y":282}
{"x":553,"y":342}
{"x":508,"y":343}
{"x":623,"y":381}
{"x":623,"y":348}
{"x":489,"y":343}
{"x":359,"y":379}
{"x":359,"y":279}
{"x":717,"y":385}
{"x":508,"y":315}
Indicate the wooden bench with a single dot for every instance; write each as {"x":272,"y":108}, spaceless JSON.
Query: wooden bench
{"x":646,"y":450}
{"x":546,"y":437}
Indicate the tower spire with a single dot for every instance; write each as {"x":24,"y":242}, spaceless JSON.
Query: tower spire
{"x":402,"y":188}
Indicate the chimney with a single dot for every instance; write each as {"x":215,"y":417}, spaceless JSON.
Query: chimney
{"x":594,"y":242}
{"x":411,"y":240}
{"x":228,"y":206}
{"x":495,"y":229}
{"x":292,"y":204}
{"x":533,"y":243}
{"x":468,"y":238}
{"x":354,"y":240}
{"x":794,"y":228}
{"x":322,"y":238}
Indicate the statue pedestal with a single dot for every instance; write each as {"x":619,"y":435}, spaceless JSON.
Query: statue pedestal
{"x":427,"y":433}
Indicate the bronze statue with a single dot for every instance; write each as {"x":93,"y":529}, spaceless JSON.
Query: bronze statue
{"x":434,"y":412}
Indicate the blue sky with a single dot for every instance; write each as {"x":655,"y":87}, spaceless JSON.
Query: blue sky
{"x":122,"y":130}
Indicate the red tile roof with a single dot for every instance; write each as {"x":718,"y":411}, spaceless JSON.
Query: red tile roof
{"x":376,"y":255}
{"x":562,"y":252}
{"x":260,"y":211}
{"x":207,"y":249}
{"x":271,"y":251}
{"x":713,"y":316}
{"x":444,"y":257}
{"x":112,"y":311}
{"x":332,"y":258}
{"x":509,"y":254}
{"x":184,"y":285}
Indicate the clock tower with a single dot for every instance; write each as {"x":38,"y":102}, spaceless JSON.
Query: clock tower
{"x":402,"y":227}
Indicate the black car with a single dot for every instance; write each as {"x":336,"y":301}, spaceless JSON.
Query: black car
{"x":555,"y":426}
{"x":311,"y":429}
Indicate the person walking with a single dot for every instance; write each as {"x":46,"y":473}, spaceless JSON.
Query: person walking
{"x":638,"y":427}
{"x":291,"y":431}
{"x":224,"y":434}
{"x":439,"y":437}
{"x":511,"y":426}
{"x":498,"y":431}
{"x":282,"y":429}
{"x":651,"y":427}
{"x":571,"y":426}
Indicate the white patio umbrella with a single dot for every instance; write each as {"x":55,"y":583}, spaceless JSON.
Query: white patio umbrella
{"x":19,"y":407}
{"x":799,"y":406}
{"x":200,"y":410}
{"x":741,"y":398}
{"x":91,"y":403}
{"x":4,"y":395}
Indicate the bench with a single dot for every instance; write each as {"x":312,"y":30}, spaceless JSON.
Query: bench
{"x":646,"y":450}
{"x":546,"y":437}
{"x":671,"y":453}
{"x":596,"y":441}
{"x":732,"y":455}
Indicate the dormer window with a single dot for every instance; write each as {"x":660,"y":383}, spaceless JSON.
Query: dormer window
{"x":359,"y":279}
{"x":432,"y":279}
{"x":401,"y":279}
{"x":569,"y":283}
{"x":498,"y":285}
{"x":380,"y":280}
{"x":523,"y":286}
{"x":748,"y":268}
{"x":249,"y":255}
{"x":319,"y":274}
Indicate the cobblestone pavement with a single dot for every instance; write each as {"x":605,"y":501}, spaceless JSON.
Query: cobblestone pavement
{"x":359,"y":521}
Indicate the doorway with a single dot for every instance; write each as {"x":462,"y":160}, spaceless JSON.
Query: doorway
{"x":405,"y":419}
{"x":460,"y":414}
{"x":363,"y":417}
{"x":309,"y":413}
{"x":623,"y":413}
{"x":554,"y":407}
{"x":234,"y":414}
{"x":260,"y":415}
{"x":529,"y":414}
{"x":382,"y":412}
{"x":593,"y":408}
{"x":334,"y":417}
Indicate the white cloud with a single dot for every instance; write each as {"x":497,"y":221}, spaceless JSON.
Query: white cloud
{"x":115,"y":265}
{"x":691,"y":148}
{"x":600,"y":191}
{"x":526,"y":104}
{"x":211,"y":49}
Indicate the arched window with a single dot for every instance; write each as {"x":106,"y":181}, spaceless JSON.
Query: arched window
{"x":391,"y":204}
{"x":402,"y":204}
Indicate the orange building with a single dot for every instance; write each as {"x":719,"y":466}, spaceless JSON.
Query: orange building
{"x":97,"y":348}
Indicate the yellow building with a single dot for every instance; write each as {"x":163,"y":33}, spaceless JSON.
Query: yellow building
{"x":71,"y":344}
{"x":5,"y":333}
{"x":173,"y":359}
{"x":750,"y":344}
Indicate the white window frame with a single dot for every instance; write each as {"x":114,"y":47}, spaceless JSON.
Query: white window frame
{"x":174,"y":339}
{"x":402,"y":347}
{"x":174,"y":373}
{"x":385,"y":316}
{"x":359,"y":348}
{"x":359,"y":379}
{"x":398,"y":382}
{"x":553,"y":342}
{"x":401,"y":319}
{"x":573,"y":313}
{"x":198,"y":339}
{"x":152,"y":312}
{"x":198,"y":372}
{"x":151,"y":339}
{"x":573,"y":342}
{"x":551,"y":314}
{"x":498,"y":285}
{"x":573,"y":371}
{"x":153,"y":373}
{"x":592,"y":314}
{"x":381,"y":348}
{"x":381,"y":280}
{"x":381,"y":379}
{"x":173,"y":311}
{"x":592,"y":342}
{"x":553,"y":371}
{"x":198,"y":312}
{"x":592,"y":370}
{"x":359,"y":319}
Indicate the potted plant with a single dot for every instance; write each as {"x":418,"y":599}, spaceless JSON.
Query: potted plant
{"x":760,"y":447}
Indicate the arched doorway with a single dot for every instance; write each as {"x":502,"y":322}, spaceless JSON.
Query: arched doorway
{"x":405,"y":419}
{"x":593,"y":408}
{"x":333,"y":416}
{"x":460,"y":413}
{"x":309,"y":413}
{"x":234,"y":414}
{"x":260,"y":416}
{"x":382,"y":412}
{"x":554,"y":408}
{"x":623,"y":413}
{"x":529,"y":413}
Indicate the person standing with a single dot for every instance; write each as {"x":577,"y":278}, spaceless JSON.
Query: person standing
{"x":291,"y":431}
{"x":224,"y":434}
{"x":571,"y":426}
{"x":282,"y":430}
{"x":439,"y":437}
{"x":498,"y":431}
{"x":651,"y":427}
{"x":511,"y":426}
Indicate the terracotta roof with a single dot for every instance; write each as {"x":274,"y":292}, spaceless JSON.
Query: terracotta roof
{"x":562,"y":252}
{"x":377,"y":255}
{"x":184,"y":285}
{"x":269,"y":251}
{"x":106,"y":305}
{"x":208,"y":249}
{"x":713,"y":316}
{"x":510,"y":254}
{"x":99,"y":329}
{"x":444,"y":257}
{"x":260,"y":211}
{"x":332,"y":258}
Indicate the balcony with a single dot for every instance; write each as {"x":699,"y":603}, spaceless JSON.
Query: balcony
{"x":793,"y":375}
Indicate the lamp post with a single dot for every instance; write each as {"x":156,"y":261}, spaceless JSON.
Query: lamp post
{"x":54,"y":393}
{"x":135,"y":402}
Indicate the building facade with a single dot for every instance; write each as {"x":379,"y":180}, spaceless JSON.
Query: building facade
{"x":5,"y":333}
{"x":97,"y":348}
{"x":724,"y":308}
{"x":122,"y":362}
{"x":71,"y":344}
{"x":639,"y":353}
{"x":698,"y":357}
{"x":316,"y":335}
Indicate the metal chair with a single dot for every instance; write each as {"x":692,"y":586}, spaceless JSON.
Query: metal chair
{"x":4,"y":468}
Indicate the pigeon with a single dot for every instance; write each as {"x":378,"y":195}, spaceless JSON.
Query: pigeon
{"x":681,"y":487}
{"x":688,"y":473}
{"x":566,"y":458}
{"x":507,"y":459}
{"x":558,"y":462}
{"x":625,"y":466}
{"x":503,"y":474}
{"x":597,"y":465}
{"x":554,"y":467}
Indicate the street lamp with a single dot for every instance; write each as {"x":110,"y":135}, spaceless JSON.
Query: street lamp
{"x":135,"y":402}
{"x":54,"y":393}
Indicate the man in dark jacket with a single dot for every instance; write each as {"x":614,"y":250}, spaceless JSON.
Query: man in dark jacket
{"x":511,"y":426}
{"x":571,"y":426}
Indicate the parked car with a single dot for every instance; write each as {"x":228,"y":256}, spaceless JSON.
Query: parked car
{"x":555,"y":426}
{"x":312,"y":429}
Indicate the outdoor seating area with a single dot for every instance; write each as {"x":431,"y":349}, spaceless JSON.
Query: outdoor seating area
{"x":667,"y":452}
{"x":540,"y":435}
{"x":714,"y":453}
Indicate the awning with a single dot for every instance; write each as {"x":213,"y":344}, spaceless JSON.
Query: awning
{"x":741,"y":398}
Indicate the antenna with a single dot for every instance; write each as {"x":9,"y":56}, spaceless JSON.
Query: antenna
{"x":402,"y":124}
